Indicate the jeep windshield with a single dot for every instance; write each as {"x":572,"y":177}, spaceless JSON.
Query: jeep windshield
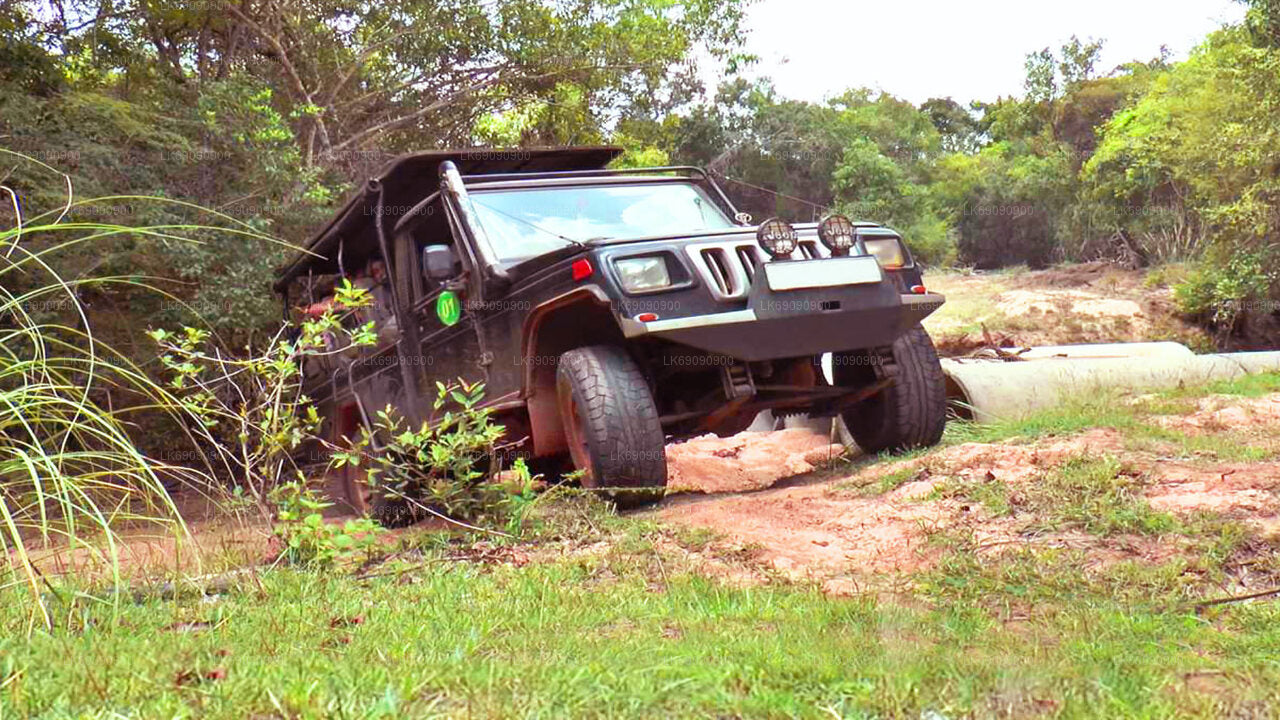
{"x":527,"y":222}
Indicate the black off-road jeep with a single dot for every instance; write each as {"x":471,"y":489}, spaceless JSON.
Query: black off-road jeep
{"x":610,"y":310}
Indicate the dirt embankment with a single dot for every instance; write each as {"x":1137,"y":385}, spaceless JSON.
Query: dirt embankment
{"x":885,"y":518}
{"x":1087,"y":303}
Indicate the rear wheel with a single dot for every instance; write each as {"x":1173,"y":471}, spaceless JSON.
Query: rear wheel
{"x":610,"y":422}
{"x":912,"y":411}
{"x":344,"y":425}
{"x":362,"y":497}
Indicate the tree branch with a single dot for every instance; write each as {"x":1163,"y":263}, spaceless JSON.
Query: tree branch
{"x":454,"y":96}
{"x":291,"y":71}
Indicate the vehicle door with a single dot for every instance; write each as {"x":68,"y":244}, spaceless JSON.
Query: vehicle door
{"x":443,"y":307}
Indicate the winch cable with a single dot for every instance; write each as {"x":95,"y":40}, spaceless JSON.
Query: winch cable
{"x":817,"y":206}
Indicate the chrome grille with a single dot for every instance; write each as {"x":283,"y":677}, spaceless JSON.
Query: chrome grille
{"x":812,"y":249}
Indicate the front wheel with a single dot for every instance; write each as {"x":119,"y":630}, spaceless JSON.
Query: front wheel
{"x":610,"y":420}
{"x":912,"y":411}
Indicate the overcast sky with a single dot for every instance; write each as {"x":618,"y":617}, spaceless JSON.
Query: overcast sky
{"x":917,"y":49}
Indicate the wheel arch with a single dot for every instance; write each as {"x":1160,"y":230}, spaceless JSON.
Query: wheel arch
{"x":578,"y":318}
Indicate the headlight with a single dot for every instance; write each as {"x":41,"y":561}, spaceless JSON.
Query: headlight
{"x":836,"y":232}
{"x":888,"y":250}
{"x":777,"y":237}
{"x":638,"y":274}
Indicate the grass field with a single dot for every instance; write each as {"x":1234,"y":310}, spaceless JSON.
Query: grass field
{"x":617,"y":639}
{"x":602,"y":617}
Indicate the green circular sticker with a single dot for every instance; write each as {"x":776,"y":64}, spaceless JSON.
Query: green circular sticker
{"x":448,"y":307}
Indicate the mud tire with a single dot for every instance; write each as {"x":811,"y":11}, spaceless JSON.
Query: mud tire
{"x":910,"y":413}
{"x":611,"y":423}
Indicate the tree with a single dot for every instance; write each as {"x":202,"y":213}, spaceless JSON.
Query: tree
{"x":1196,"y":156}
{"x":960,"y":131}
{"x":1263,"y":22}
{"x":1078,"y":61}
{"x":1042,"y":82}
{"x":392,"y":76}
{"x":863,"y":153}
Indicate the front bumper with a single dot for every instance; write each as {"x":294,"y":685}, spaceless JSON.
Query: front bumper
{"x":796,"y":323}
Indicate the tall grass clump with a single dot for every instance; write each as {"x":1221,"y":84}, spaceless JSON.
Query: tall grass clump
{"x":70,"y":474}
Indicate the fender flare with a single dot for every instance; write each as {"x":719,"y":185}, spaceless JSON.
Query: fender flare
{"x":540,"y":360}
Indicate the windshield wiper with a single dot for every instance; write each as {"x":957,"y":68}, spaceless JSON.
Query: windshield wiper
{"x":533,"y":225}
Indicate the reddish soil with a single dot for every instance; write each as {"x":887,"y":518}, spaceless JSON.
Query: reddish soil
{"x":828,"y":530}
{"x":819,"y":529}
{"x":746,"y":461}
{"x":140,"y":553}
{"x":1217,"y":413}
{"x":761,"y":493}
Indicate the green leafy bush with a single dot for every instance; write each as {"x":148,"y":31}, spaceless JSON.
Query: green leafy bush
{"x":447,"y":465}
{"x":1007,"y":201}
{"x":250,"y":411}
{"x":1230,"y":286}
{"x":308,"y":539}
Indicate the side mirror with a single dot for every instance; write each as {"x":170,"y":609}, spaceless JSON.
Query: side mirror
{"x":438,"y":262}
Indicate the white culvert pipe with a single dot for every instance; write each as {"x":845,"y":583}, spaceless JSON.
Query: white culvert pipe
{"x":990,"y":390}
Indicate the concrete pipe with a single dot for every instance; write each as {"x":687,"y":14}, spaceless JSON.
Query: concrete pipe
{"x":990,"y":390}
{"x":1104,"y":351}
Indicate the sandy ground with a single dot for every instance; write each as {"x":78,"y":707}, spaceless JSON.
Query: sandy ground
{"x":824,"y":529}
{"x":746,"y":461}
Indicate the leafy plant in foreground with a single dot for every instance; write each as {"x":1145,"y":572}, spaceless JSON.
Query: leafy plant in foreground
{"x":251,"y":411}
{"x":446,"y":465}
{"x":307,"y":538}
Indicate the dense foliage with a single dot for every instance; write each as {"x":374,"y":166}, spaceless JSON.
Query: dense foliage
{"x":1149,"y":162}
{"x":268,"y":111}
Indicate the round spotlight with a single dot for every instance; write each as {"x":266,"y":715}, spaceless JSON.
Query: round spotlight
{"x":836,"y":232}
{"x":777,"y":237}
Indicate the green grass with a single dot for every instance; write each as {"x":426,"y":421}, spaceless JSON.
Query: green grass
{"x":888,"y":482}
{"x":1117,"y":411}
{"x":1094,"y":494}
{"x":615,"y":624}
{"x":1099,"y":410}
{"x":1255,"y":385}
{"x":1098,"y":495}
{"x":617,"y":636}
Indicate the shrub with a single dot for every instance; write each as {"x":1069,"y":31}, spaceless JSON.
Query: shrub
{"x":1229,"y":288}
{"x":251,"y":412}
{"x":447,"y":466}
{"x":307,"y":538}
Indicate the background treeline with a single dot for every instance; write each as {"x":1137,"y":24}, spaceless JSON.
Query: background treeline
{"x":267,"y":112}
